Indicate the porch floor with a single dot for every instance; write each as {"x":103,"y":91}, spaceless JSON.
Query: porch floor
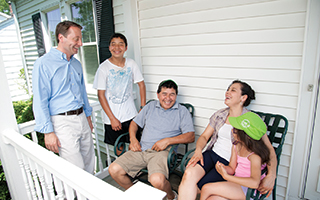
{"x":174,"y":180}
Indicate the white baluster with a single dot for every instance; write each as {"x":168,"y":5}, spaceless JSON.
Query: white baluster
{"x":108,"y":155}
{"x":107,"y":147}
{"x":80,"y":196}
{"x":68,"y":191}
{"x":97,"y":141}
{"x":49,"y":182}
{"x":35,"y":178}
{"x":34,"y":136}
{"x":42,"y":182}
{"x":24,"y":175}
{"x":29,"y":177}
{"x":59,"y":188}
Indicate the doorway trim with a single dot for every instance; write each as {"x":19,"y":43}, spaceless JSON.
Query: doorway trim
{"x":306,"y":104}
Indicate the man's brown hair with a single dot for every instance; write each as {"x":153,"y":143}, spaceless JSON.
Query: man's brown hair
{"x":63,"y":27}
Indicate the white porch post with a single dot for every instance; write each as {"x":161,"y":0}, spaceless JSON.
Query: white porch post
{"x":7,"y":153}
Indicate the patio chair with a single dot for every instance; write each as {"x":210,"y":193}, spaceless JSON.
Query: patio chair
{"x":277,"y":126}
{"x":174,"y":158}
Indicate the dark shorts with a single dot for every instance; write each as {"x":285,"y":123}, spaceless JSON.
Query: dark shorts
{"x":110,"y":135}
{"x":210,"y":158}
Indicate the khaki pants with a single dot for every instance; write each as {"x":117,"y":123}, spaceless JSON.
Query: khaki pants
{"x":76,"y":141}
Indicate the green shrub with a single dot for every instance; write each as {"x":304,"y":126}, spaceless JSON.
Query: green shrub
{"x":23,"y":110}
{"x":4,"y":191}
{"x":24,"y":113}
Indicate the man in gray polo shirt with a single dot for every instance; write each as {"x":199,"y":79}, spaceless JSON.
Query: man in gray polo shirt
{"x":165,"y":123}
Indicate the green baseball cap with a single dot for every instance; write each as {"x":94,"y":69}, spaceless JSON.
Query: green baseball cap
{"x":250,"y":123}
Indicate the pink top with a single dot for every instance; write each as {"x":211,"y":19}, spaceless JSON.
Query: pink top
{"x":243,"y":168}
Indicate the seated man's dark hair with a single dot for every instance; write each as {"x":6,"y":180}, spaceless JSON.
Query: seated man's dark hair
{"x":167,"y":84}
{"x":119,"y":35}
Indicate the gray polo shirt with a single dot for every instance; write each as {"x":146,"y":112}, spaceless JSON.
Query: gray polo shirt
{"x":158,"y":123}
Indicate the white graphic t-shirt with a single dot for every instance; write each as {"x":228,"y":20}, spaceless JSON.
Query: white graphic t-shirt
{"x":118,"y":83}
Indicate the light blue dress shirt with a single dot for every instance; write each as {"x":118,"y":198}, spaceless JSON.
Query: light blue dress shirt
{"x":58,"y":87}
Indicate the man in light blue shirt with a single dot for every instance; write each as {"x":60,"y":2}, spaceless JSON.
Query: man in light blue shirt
{"x":165,"y":123}
{"x":60,"y":103}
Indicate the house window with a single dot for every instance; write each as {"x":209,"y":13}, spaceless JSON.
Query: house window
{"x":53,"y":18}
{"x":82,"y":13}
{"x":95,"y":49}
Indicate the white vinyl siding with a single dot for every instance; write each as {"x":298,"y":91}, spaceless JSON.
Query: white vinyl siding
{"x":25,"y":9}
{"x":118,"y":14}
{"x":12,"y":59}
{"x":203,"y":45}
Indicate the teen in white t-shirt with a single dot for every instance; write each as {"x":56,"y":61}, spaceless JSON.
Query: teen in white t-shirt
{"x":114,"y":81}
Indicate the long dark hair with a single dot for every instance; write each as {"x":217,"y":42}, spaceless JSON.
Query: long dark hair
{"x":256,"y":146}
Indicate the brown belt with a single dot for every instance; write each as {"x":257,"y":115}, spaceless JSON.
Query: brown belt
{"x":73,"y":112}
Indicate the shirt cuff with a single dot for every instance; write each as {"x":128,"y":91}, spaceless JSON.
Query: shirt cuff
{"x":48,"y":128}
{"x":88,"y":111}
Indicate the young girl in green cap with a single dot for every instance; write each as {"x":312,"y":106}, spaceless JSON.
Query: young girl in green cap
{"x":249,"y":156}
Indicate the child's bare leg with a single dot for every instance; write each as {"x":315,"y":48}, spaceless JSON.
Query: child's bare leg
{"x":222,"y":189}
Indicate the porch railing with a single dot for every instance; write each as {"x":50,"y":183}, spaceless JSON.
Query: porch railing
{"x":47,"y":176}
{"x":101,"y":172}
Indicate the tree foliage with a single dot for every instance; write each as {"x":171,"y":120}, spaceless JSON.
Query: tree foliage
{"x":4,"y":7}
{"x":85,"y":18}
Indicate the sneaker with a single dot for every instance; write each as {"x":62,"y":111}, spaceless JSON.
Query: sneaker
{"x":175,"y":196}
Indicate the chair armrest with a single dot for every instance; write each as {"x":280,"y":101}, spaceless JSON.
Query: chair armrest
{"x":118,"y":144}
{"x":172,"y":158}
{"x":185,"y":160}
{"x":253,"y":194}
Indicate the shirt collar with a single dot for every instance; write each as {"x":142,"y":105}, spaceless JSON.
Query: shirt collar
{"x":60,"y":54}
{"x":175,"y":105}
